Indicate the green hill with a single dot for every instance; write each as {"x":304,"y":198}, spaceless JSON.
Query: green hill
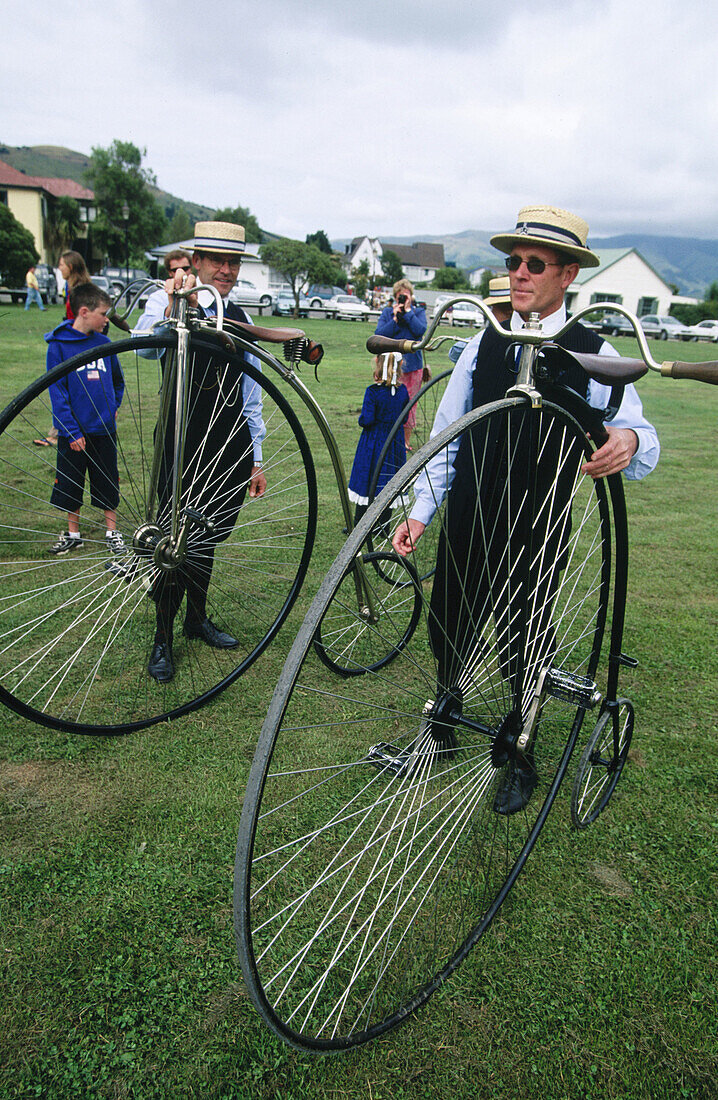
{"x":56,"y":160}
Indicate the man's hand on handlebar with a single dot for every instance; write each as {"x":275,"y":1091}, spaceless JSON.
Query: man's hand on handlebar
{"x":180,"y":280}
{"x":407,"y":535}
{"x":614,"y":455}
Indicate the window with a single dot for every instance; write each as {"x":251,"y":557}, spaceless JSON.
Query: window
{"x":618,"y":298}
{"x":3,"y":197}
{"x":646,"y":306}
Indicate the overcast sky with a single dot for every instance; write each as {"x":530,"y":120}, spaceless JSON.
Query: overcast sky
{"x":386,"y":119}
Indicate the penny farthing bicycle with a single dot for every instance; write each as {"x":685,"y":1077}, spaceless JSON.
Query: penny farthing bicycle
{"x":76,"y":630}
{"x":375,"y":844}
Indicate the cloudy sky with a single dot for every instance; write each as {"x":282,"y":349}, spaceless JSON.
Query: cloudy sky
{"x":387,"y":119}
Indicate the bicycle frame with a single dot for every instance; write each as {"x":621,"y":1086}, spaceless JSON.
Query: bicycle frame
{"x":169,"y":550}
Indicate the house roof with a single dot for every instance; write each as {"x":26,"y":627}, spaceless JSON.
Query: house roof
{"x":418,"y":254}
{"x":609,"y":257}
{"x":10,"y":177}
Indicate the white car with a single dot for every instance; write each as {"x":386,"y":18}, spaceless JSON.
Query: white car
{"x":244,"y":293}
{"x":705,"y":330}
{"x":347,"y":307}
{"x":466,"y":313}
{"x":440,"y":302}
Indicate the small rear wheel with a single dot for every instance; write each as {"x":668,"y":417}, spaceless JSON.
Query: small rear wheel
{"x":371,"y":618}
{"x":601,"y":763}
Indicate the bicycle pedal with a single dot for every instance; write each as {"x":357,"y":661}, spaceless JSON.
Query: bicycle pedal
{"x":385,"y":755}
{"x":579,"y":691}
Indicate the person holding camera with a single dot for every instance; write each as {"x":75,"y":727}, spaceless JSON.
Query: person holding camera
{"x":403,"y":319}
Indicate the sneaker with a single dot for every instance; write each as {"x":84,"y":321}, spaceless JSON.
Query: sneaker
{"x":65,"y":544}
{"x":115,"y":543}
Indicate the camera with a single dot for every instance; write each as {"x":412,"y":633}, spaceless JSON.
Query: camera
{"x":402,"y":299}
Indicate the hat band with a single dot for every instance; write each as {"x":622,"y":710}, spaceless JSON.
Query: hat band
{"x":549,"y":232}
{"x":500,"y":293}
{"x":221,"y":245}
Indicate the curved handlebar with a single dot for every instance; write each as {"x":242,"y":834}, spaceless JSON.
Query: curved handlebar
{"x":604,"y":369}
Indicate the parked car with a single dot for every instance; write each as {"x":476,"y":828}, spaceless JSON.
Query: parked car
{"x":120,"y":277}
{"x":614,"y":324}
{"x":440,"y":302}
{"x":705,"y":330}
{"x":104,"y":284}
{"x":284,"y":305}
{"x":664,"y":328}
{"x":466,"y":313}
{"x":245,"y":293}
{"x":348,"y":307}
{"x":318,"y":295}
{"x":47,"y":285}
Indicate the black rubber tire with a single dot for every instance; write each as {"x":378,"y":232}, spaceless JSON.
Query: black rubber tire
{"x":76,"y":631}
{"x":352,"y":644}
{"x":371,"y":857}
{"x":265,"y":300}
{"x":601,"y":763}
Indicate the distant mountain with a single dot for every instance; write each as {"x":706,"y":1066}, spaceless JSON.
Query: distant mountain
{"x":55,"y":160}
{"x":688,"y":262}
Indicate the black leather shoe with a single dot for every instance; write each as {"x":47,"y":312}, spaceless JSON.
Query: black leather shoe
{"x":208,"y":633}
{"x":516,"y":789}
{"x":160,"y":666}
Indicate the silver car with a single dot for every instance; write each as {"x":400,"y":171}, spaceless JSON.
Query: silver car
{"x":244,"y":293}
{"x":665,"y":328}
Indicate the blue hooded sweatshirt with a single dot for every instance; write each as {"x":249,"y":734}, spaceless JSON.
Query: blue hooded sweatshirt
{"x":85,"y":401}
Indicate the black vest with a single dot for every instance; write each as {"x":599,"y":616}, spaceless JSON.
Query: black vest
{"x":494,"y":374}
{"x":495,"y":370}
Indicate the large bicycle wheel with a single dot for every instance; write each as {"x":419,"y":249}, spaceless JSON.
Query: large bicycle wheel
{"x":375,"y":846}
{"x":77,"y":630}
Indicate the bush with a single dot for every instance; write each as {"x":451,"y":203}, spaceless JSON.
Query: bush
{"x":17,"y":248}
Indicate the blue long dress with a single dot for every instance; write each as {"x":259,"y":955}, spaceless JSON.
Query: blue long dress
{"x":379,"y":412}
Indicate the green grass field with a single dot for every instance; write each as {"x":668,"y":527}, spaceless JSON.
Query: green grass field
{"x":597,"y":979}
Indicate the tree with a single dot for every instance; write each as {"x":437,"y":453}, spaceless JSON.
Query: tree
{"x":300,"y":264}
{"x":486,"y":276}
{"x":450,"y":278}
{"x":391,"y":266}
{"x":17,"y":248}
{"x":240,"y":215}
{"x":181,"y":227}
{"x":117,"y":177}
{"x":62,"y":225}
{"x":321,"y":241}
{"x":361,"y":278}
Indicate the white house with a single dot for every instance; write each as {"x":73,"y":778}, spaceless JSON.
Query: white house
{"x":623,"y":277}
{"x":420,"y":261}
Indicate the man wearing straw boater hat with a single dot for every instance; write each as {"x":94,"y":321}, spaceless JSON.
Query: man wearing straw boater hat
{"x":499,"y":299}
{"x":223,"y":451}
{"x":545,"y":252}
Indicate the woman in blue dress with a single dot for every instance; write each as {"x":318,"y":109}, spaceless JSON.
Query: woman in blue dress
{"x":384,"y":402}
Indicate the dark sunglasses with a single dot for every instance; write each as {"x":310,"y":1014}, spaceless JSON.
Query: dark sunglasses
{"x":534,"y":265}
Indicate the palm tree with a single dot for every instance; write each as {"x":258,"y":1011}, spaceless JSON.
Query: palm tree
{"x":62,"y":225}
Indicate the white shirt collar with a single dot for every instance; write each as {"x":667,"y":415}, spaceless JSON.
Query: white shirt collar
{"x":550,"y":324}
{"x":206,"y":298}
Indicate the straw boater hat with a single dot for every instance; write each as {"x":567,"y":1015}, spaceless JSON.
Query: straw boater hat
{"x":218,"y":237}
{"x":499,"y":292}
{"x":552,"y":228}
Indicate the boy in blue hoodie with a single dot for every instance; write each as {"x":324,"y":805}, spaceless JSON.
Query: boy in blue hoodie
{"x":84,"y":408}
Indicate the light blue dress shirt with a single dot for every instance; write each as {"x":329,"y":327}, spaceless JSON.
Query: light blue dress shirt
{"x":434,"y":483}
